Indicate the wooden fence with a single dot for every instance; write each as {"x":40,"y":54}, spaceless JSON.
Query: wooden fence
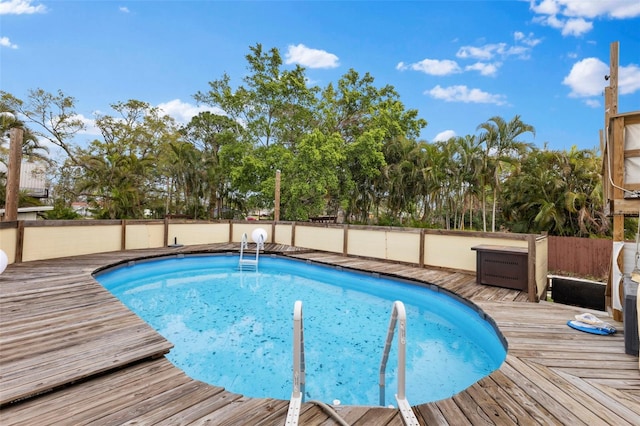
{"x":585,"y":257}
{"x":25,"y":241}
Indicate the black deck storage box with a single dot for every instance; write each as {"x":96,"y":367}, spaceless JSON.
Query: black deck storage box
{"x":502,"y":266}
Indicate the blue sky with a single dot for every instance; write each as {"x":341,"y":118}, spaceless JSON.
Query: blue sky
{"x":457,"y":62}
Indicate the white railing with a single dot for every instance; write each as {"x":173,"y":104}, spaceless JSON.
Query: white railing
{"x":244,"y":245}
{"x":297,"y":396}
{"x":398,"y":315}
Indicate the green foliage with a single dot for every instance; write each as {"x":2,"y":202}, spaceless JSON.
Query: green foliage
{"x":558,"y":192}
{"x":631,"y":229}
{"x":350,"y":148}
{"x":62,"y":212}
{"x":312,"y":176}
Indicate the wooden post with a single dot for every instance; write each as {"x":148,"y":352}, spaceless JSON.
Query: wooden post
{"x":532,"y":285}
{"x":20,"y":242}
{"x":13,"y":174}
{"x":345,"y":240}
{"x":123,"y":234}
{"x":276,"y":211}
{"x":165,"y":237}
{"x":614,"y":54}
{"x":421,"y":249}
{"x":614,"y":132}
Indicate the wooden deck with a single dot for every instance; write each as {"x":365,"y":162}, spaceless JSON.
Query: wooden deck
{"x":70,"y":353}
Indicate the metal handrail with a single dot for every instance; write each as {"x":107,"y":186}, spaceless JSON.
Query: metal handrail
{"x":297,"y":396}
{"x":398,"y":315}
{"x":244,"y":244}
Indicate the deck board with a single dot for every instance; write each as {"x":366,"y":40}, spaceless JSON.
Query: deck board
{"x":70,"y":353}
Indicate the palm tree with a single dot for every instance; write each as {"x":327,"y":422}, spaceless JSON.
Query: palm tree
{"x":32,"y":149}
{"x":502,"y":148}
{"x":469,"y":156}
{"x":400,"y":176}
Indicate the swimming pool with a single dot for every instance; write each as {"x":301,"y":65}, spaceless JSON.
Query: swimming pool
{"x":234,"y":328}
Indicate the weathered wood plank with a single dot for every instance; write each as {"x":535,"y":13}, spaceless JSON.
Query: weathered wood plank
{"x":515,"y":402}
{"x":48,"y":371}
{"x":379,"y":417}
{"x":453,"y":413}
{"x":75,"y":330}
{"x":613,"y":410}
{"x":194,"y":411}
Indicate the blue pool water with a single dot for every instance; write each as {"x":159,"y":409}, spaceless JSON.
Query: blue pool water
{"x":234,"y":328}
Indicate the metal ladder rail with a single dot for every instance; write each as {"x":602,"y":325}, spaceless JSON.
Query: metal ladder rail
{"x":398,"y":315}
{"x":244,"y":244}
{"x":259,"y":246}
{"x":297,"y":396}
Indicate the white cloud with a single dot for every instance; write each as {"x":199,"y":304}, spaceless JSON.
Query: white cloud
{"x":20,"y":7}
{"x":628,"y":79}
{"x":586,"y":78}
{"x":574,"y":17}
{"x":482,"y":55}
{"x":5,"y":42}
{"x":123,"y":9}
{"x":180,"y":111}
{"x":462,"y":93}
{"x":545,"y":7}
{"x":593,"y":103}
{"x":435,"y":66}
{"x":89,"y":125}
{"x":485,"y":52}
{"x":444,"y":136}
{"x":310,"y":58}
{"x":183,"y":112}
{"x":576,"y":27}
{"x":529,"y":39}
{"x":484,"y":68}
{"x":619,"y":9}
{"x":490,"y":51}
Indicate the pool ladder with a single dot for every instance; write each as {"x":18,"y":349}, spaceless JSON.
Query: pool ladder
{"x":297,"y":396}
{"x":398,"y":317}
{"x":249,"y":263}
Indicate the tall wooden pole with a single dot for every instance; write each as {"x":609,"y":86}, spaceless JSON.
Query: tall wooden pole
{"x":276,"y":212}
{"x":614,"y":129}
{"x":13,"y":174}
{"x":614,"y":55}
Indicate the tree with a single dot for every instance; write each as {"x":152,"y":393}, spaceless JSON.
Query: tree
{"x":32,"y":149}
{"x":217,"y":139}
{"x":402,"y":158}
{"x":469,"y":156}
{"x":314,"y":178}
{"x":558,"y":192}
{"x":273,"y":106}
{"x":50,"y":116}
{"x":273,"y":110}
{"x":502,"y":148}
{"x":121,"y":174}
{"x":366,"y":118}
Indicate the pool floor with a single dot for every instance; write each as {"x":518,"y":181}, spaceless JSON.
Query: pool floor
{"x":234,"y":329}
